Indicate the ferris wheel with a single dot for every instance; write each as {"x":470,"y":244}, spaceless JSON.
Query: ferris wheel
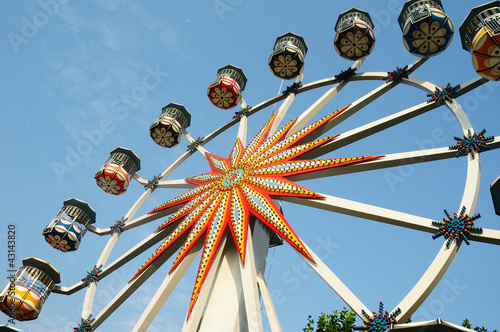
{"x":231,"y":215}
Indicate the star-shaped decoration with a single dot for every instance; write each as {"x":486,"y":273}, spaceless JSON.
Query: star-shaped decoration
{"x":242,"y":112}
{"x":397,"y":74}
{"x":118,"y":226}
{"x":85,"y":325}
{"x":92,"y":275}
{"x":196,"y":143}
{"x":457,"y":227}
{"x":243,"y":184}
{"x":471,"y":143}
{"x":345,"y":75}
{"x":294,"y":88}
{"x":379,"y":322}
{"x":447,"y":93}
{"x":153,"y":182}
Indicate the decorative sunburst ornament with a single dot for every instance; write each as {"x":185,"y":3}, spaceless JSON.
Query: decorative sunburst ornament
{"x":85,"y":325}
{"x":92,"y":275}
{"x":457,"y":227}
{"x":397,"y":74}
{"x":379,"y":322}
{"x":118,"y":226}
{"x":242,"y":185}
{"x":345,"y":75}
{"x":472,"y":143}
{"x":446,"y":93}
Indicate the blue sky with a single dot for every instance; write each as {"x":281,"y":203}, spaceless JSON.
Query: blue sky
{"x":78,"y":80}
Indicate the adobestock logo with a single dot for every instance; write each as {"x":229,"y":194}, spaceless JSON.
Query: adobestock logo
{"x":383,"y":18}
{"x":119,"y":110}
{"x":436,"y":306}
{"x":223,"y":6}
{"x":32,"y":26}
{"x":292,"y":279}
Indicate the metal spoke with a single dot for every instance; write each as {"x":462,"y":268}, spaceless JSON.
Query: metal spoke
{"x":132,"y":286}
{"x":391,"y":160}
{"x":268,"y":303}
{"x":283,"y":109}
{"x":192,"y":324}
{"x":249,"y":278}
{"x":335,"y":283}
{"x":138,"y":249}
{"x":199,"y":147}
{"x":385,"y":123}
{"x":175,"y":184}
{"x":165,"y":290}
{"x":361,"y":102}
{"x":366,"y":211}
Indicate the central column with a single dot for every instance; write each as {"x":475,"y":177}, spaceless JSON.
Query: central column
{"x":225,"y":307}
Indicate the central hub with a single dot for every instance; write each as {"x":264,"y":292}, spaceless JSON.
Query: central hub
{"x":233,"y":178}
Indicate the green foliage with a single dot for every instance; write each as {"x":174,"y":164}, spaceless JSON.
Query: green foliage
{"x":466,"y":323}
{"x":337,"y":322}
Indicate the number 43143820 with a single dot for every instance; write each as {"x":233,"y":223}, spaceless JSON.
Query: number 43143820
{"x":11,"y":245}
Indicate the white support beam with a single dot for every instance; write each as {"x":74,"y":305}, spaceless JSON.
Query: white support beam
{"x":384,"y":123}
{"x":460,"y":115}
{"x":175,"y":164}
{"x":165,"y":289}
{"x":65,"y":290}
{"x":120,"y":261}
{"x":193,"y":323}
{"x":416,"y":64}
{"x":329,"y":81}
{"x":368,"y":129}
{"x":334,"y":282}
{"x":243,"y":103}
{"x":148,"y":217}
{"x":268,"y":304}
{"x":175,"y":184}
{"x":91,"y":289}
{"x":138,"y":249}
{"x":200,"y":148}
{"x":281,"y":113}
{"x":249,"y":280}
{"x":365,"y":100}
{"x":317,"y":106}
{"x":132,"y":286}
{"x":366,"y":211}
{"x":130,"y":214}
{"x":491,"y":236}
{"x":242,"y":130}
{"x":133,"y":210}
{"x":142,"y":181}
{"x":354,"y":107}
{"x":232,"y":122}
{"x":144,"y":219}
{"x":427,"y":282}
{"x":387,"y":161}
